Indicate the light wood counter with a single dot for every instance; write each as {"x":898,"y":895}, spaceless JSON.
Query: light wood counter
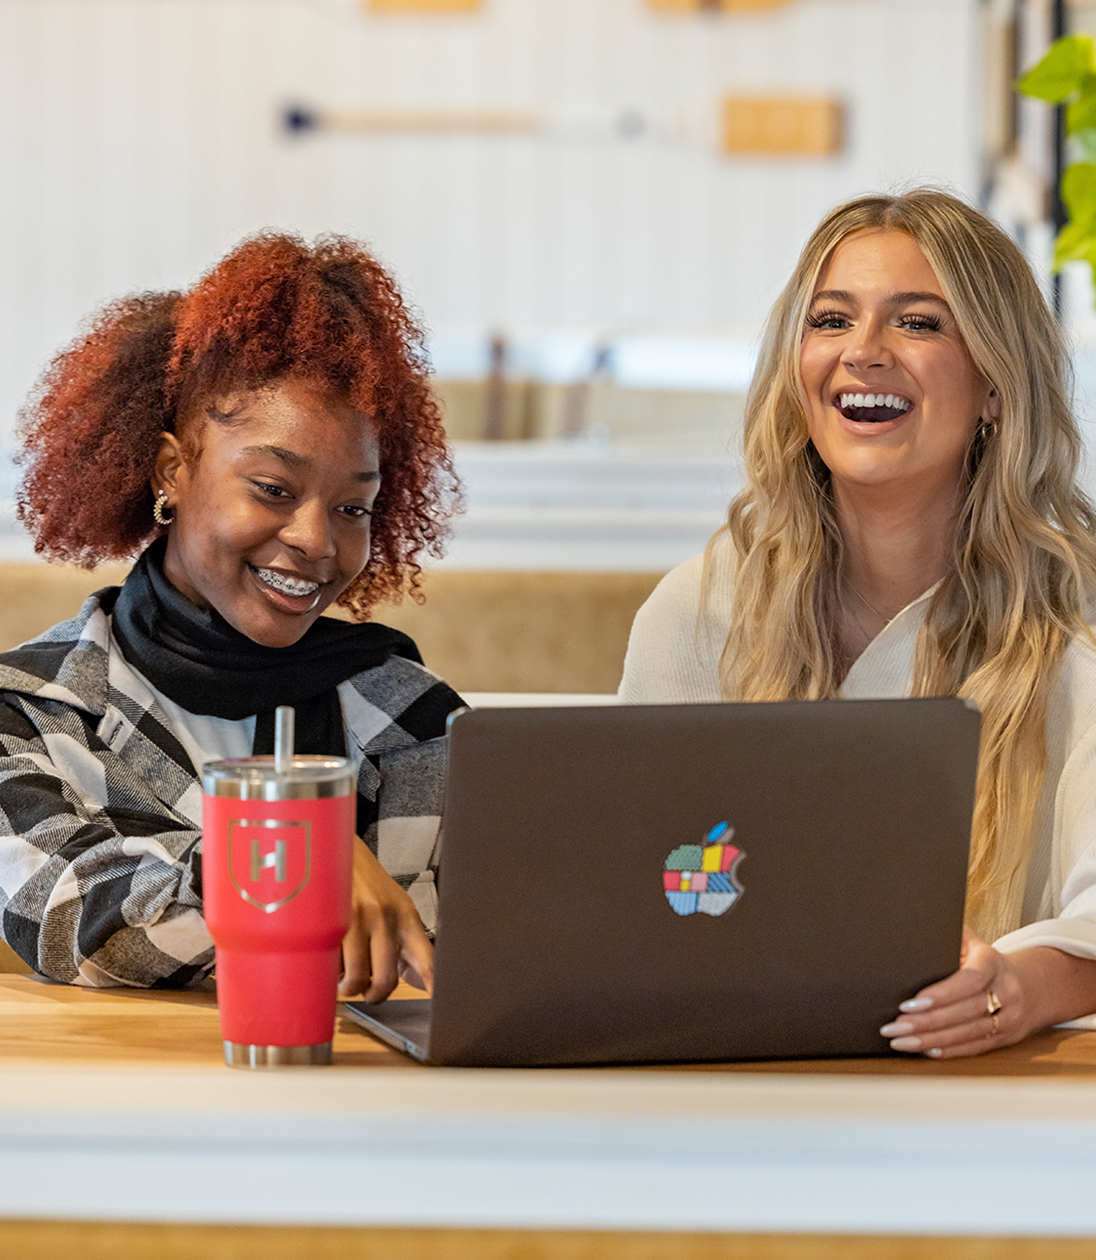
{"x":43,"y":1023}
{"x":115,"y":1109}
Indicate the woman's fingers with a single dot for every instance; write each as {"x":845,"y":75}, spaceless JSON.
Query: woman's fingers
{"x":416,"y":961}
{"x":973,"y":1034}
{"x":966,"y":1049}
{"x":383,"y":952}
{"x":965,"y":1012}
{"x":356,"y":967}
{"x":956,"y":1016}
{"x":386,"y":938}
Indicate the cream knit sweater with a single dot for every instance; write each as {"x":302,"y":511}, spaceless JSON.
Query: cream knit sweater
{"x":673,"y":657}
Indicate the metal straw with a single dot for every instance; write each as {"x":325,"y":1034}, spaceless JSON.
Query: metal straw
{"x":283,"y":738}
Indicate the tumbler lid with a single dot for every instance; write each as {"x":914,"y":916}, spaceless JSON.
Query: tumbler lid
{"x":257,"y":779}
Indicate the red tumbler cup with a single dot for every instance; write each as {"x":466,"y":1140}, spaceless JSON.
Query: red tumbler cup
{"x":277,"y":852}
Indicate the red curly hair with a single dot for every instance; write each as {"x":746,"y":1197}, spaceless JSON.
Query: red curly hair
{"x":327,"y":314}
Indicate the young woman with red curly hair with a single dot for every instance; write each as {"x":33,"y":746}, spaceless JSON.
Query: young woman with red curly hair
{"x":268,"y":443}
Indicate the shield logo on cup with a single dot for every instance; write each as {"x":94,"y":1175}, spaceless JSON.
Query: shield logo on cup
{"x":269,"y":859}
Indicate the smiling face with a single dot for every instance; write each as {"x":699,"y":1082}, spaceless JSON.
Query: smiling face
{"x":271,"y":521}
{"x":892,"y":395}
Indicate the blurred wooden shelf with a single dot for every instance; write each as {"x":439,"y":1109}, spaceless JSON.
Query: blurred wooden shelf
{"x":715,"y":6}
{"x":421,"y":6}
{"x":782,"y":126}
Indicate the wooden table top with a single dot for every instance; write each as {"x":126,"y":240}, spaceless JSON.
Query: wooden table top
{"x":44,"y":1023}
{"x":62,"y":1024}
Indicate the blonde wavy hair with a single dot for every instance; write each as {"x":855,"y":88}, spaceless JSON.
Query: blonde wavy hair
{"x":1025,"y":550}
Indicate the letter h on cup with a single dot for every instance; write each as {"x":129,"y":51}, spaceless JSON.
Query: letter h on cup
{"x":276,"y":859}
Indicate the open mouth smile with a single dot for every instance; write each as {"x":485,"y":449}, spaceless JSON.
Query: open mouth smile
{"x":872,"y":408}
{"x":299,"y":591}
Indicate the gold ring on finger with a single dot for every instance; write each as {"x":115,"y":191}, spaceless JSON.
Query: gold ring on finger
{"x":993,"y":1005}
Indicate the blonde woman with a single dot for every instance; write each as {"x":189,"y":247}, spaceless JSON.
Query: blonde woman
{"x":912,"y":525}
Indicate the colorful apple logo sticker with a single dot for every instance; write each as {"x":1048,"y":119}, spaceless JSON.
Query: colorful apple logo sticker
{"x":703,"y":876}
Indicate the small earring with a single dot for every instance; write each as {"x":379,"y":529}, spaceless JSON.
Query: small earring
{"x":986,"y":429}
{"x":158,"y":514}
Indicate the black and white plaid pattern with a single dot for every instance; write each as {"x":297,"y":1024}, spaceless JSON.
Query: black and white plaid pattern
{"x":100,"y":807}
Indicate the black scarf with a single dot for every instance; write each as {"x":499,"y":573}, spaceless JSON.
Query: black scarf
{"x":195,"y":658}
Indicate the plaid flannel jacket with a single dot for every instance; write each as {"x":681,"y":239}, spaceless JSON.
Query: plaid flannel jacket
{"x":100,"y":807}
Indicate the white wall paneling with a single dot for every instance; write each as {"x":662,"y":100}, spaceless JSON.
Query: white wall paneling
{"x":139,"y":139}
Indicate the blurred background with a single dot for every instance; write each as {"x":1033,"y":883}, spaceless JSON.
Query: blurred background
{"x":591,"y":204}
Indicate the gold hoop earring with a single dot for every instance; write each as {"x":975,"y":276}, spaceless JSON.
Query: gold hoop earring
{"x":986,"y":429}
{"x":158,"y":513}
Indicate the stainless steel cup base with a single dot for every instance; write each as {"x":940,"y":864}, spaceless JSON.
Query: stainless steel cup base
{"x":239,"y":1055}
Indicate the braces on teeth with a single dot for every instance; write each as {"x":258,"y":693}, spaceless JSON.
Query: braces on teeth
{"x":288,"y":586}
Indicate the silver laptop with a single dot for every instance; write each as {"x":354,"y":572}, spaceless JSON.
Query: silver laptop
{"x":688,"y":883}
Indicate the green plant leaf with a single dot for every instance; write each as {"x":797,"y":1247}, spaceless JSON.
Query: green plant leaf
{"x":1062,"y":71}
{"x":1069,"y":245}
{"x":1079,"y":194}
{"x":1076,"y":241}
{"x":1081,"y":113}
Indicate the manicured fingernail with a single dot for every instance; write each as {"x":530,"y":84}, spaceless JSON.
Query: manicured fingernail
{"x":934,"y":1053}
{"x":906,"y":1043}
{"x":915,"y":1004}
{"x":898,"y":1029}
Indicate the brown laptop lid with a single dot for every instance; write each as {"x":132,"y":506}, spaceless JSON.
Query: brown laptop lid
{"x":702,"y":882}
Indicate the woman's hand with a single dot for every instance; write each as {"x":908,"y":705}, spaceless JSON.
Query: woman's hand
{"x":386,"y":940}
{"x":1031,"y":989}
